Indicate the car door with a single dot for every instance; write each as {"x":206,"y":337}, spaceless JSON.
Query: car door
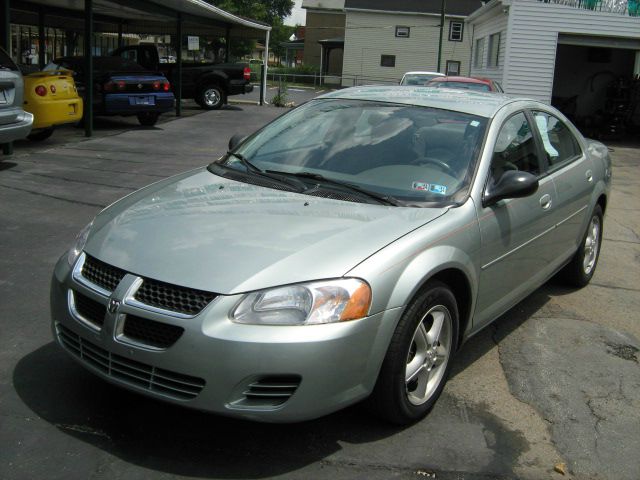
{"x":572,"y":172}
{"x":515,"y":232}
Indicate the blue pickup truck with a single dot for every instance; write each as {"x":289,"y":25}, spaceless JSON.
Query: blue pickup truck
{"x":122,"y":87}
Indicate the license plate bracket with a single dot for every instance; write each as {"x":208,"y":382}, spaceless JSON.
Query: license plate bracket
{"x":146,"y":100}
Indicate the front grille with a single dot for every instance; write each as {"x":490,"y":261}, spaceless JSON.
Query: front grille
{"x":150,"y":332}
{"x":89,"y":309}
{"x":102,"y":274}
{"x":172,"y":297}
{"x":157,"y":380}
{"x":271,"y":391}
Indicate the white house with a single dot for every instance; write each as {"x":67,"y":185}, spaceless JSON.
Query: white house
{"x":559,"y":50}
{"x":383,"y":39}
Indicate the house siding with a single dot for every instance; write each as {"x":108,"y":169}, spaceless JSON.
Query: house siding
{"x":496,"y":24}
{"x":533,"y":34}
{"x":369,"y":35}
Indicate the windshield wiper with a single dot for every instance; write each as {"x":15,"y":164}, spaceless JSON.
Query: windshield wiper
{"x":386,"y":199}
{"x":246,"y":163}
{"x":251,"y":168}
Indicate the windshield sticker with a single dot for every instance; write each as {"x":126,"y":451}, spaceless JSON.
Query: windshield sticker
{"x":439,"y":189}
{"x":421,"y":186}
{"x":474,"y":123}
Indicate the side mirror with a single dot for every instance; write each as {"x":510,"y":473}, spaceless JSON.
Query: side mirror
{"x":236,"y":140}
{"x":512,"y":184}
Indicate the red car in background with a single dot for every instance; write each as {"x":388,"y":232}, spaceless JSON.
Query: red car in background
{"x":467,"y":83}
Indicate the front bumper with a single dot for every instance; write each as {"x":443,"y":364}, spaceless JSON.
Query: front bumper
{"x":132,"y":103}
{"x":55,"y":112}
{"x":216,"y":364}
{"x":16,"y":130}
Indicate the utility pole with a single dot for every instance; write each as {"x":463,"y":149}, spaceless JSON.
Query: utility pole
{"x":442,"y":7}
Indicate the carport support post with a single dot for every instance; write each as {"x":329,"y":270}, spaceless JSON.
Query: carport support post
{"x":88,"y":68}
{"x":5,"y":25}
{"x":42,"y":43}
{"x":265,"y":64}
{"x":227,"y":40}
{"x":120,"y":34}
{"x":177,"y":80}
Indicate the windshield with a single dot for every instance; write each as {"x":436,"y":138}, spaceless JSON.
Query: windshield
{"x":418,"y":78}
{"x":409,"y":153}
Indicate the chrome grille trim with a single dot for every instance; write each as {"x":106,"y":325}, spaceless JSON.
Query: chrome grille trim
{"x":73,"y":310}
{"x":133,"y":373}
{"x":78,"y":277}
{"x":269,"y":391}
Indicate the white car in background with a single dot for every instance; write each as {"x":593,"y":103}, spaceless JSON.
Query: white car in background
{"x":419,"y":78}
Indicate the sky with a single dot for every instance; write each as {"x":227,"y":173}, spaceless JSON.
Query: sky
{"x":298,"y":15}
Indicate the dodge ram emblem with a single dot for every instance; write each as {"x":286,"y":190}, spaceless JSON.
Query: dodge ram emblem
{"x":140,"y":86}
{"x":113,"y":306}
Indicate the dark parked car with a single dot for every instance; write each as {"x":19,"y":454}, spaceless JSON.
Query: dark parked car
{"x":15,"y":123}
{"x":209,"y":84}
{"x":122,"y":87}
{"x":467,"y":83}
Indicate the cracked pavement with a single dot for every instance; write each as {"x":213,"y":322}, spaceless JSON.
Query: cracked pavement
{"x":555,"y":380}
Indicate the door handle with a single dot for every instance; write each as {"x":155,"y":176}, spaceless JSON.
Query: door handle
{"x":545,"y":202}
{"x":589,"y":175}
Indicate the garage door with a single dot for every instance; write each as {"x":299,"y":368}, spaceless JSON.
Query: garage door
{"x":604,"y":42}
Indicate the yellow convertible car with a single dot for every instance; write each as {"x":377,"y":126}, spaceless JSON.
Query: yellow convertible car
{"x":53,"y":100}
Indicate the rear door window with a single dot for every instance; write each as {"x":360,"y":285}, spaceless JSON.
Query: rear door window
{"x":560,"y":145}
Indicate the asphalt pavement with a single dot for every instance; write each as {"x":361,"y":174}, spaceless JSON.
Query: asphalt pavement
{"x":555,"y":381}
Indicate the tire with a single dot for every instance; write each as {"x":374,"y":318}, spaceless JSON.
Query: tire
{"x":580,"y":269}
{"x":403,"y":400}
{"x":211,"y":97}
{"x":40,"y":135}
{"x":148,"y":119}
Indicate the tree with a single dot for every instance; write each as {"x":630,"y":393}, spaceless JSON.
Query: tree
{"x":263,"y":10}
{"x":271,"y":12}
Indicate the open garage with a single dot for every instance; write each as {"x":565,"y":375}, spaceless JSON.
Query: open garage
{"x":594,"y":84}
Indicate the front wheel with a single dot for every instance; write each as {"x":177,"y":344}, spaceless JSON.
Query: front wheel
{"x":210,"y":97}
{"x":148,"y":119}
{"x":580,"y":270}
{"x":418,"y":360}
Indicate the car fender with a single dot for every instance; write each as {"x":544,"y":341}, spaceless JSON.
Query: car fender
{"x":398,"y":272}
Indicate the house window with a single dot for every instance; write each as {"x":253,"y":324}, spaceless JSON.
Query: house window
{"x":403,"y":31}
{"x":494,"y":50}
{"x":453,"y":68}
{"x":387,"y":60}
{"x":456,"y":30}
{"x":478,"y":55}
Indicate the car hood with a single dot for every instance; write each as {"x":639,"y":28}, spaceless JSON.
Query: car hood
{"x":203,"y":231}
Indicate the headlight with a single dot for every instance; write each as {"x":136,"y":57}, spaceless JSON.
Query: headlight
{"x":78,"y":245}
{"x":306,"y":304}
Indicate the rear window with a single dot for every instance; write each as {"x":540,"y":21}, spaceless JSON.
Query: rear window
{"x":116,"y":64}
{"x":480,"y":87}
{"x":6,"y":62}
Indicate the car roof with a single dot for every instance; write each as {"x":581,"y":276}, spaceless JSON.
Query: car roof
{"x":482,"y":104}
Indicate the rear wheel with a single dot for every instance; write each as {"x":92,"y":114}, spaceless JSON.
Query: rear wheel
{"x":210,"y":97}
{"x":583,"y":265}
{"x":40,"y":135}
{"x":418,"y":360}
{"x":148,"y":119}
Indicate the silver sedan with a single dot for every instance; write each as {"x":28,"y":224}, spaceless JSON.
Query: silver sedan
{"x":342,"y":253}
